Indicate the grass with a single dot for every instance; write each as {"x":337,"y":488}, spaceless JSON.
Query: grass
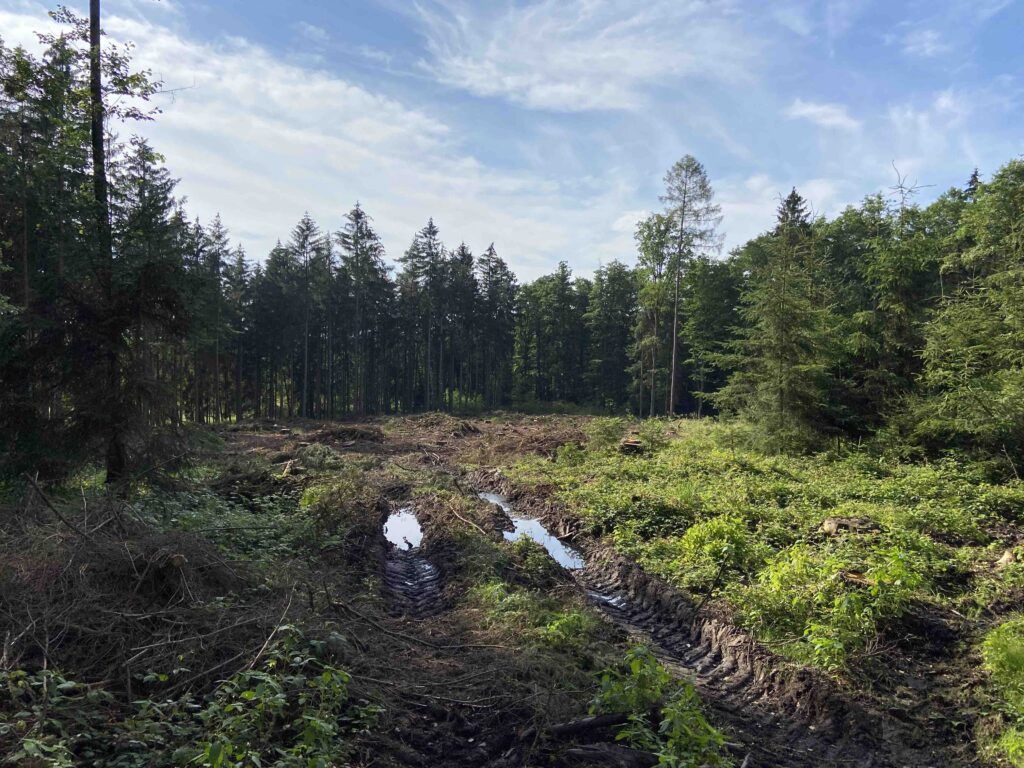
{"x":712,"y":516}
{"x":1003,"y":653}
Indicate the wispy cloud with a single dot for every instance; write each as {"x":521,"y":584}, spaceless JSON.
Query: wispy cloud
{"x":823,"y":115}
{"x":581,"y":55}
{"x":312,"y":32}
{"x":260,"y":139}
{"x":924,"y":43}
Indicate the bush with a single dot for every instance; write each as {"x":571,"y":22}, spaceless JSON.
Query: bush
{"x":605,"y":433}
{"x":292,"y":710}
{"x":683,"y":738}
{"x":1003,"y":651}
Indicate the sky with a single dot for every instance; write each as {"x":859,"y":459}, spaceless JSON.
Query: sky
{"x":546,"y":127}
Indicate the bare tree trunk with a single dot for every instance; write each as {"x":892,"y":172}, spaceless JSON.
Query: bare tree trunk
{"x":116,"y":458}
{"x":305,"y":354}
{"x":675,"y":344}
{"x":654,"y":360}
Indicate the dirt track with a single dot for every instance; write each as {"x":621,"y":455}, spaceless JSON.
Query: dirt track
{"x":780,"y":714}
{"x":774,"y":713}
{"x":413,"y":582}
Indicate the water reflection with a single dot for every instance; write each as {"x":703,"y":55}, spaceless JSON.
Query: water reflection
{"x":403,"y":529}
{"x":532,"y":528}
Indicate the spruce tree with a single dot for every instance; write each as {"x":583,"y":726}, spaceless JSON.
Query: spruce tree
{"x":782,"y":358}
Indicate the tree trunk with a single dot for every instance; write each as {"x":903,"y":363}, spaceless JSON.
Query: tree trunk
{"x":675,"y":344}
{"x":116,"y":458}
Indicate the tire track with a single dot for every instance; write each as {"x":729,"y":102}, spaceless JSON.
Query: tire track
{"x":413,"y":582}
{"x":784,"y":715}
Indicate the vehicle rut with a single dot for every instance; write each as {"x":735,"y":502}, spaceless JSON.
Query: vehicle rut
{"x":413,"y":582}
{"x":783,"y":714}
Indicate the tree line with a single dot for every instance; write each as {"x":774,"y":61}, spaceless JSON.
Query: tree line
{"x":121,"y":316}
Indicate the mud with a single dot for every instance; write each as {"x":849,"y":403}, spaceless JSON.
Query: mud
{"x":412,"y":581}
{"x":780,"y":713}
{"x":777,"y":712}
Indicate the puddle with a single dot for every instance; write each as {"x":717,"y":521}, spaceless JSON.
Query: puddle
{"x":532,"y":528}
{"x":403,"y":529}
{"x":613,"y":600}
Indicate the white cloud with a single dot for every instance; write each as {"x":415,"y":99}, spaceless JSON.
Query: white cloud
{"x":261,"y":140}
{"x":924,"y":43}
{"x":823,"y":115}
{"x":312,"y":33}
{"x":794,"y":17}
{"x":580,"y":55}
{"x":627,"y":222}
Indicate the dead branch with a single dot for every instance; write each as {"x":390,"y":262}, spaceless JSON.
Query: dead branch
{"x":54,"y":509}
{"x":592,"y":723}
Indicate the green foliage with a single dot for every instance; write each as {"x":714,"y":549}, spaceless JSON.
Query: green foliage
{"x":683,"y":738}
{"x":709,"y":551}
{"x":1003,"y":653}
{"x":712,"y":515}
{"x":832,"y":600}
{"x":605,"y":433}
{"x":263,"y":529}
{"x":538,"y":619}
{"x":291,"y":710}
{"x":319,"y":456}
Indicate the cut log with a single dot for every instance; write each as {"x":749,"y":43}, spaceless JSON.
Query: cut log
{"x":631,"y":445}
{"x":833,"y":526}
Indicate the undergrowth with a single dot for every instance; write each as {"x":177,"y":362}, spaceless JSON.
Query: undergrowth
{"x":292,"y":709}
{"x":709,"y":514}
{"x":665,"y":716}
{"x":1003,"y":652}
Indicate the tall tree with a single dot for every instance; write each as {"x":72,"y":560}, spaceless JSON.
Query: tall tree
{"x":610,"y":321}
{"x":497,"y":316}
{"x":309,"y":249}
{"x":782,"y":359}
{"x":653,"y":236}
{"x":694,"y":216}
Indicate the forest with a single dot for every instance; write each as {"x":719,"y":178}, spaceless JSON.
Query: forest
{"x":340,"y":505}
{"x":890,"y":315}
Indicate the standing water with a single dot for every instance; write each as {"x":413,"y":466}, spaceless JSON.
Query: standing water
{"x":403,"y":529}
{"x":532,"y":528}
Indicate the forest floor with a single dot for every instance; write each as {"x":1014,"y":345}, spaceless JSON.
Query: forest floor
{"x":246,"y":608}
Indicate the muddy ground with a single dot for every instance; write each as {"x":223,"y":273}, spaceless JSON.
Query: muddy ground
{"x":457,"y":696}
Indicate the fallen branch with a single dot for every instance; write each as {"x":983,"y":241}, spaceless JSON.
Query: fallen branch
{"x":576,"y":727}
{"x":468,"y":522}
{"x":54,"y":509}
{"x":277,"y":628}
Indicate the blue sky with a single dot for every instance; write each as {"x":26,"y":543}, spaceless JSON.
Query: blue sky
{"x":547,"y":126}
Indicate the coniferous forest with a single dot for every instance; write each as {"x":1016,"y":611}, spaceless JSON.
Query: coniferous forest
{"x":891,"y":315}
{"x":342,"y":504}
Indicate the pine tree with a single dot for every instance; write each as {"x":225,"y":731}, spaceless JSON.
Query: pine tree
{"x":694,"y":218}
{"x":497,"y":316}
{"x":362,"y":258}
{"x":610,"y":320}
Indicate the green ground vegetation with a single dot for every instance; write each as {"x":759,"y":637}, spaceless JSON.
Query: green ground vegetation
{"x":710,"y":515}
